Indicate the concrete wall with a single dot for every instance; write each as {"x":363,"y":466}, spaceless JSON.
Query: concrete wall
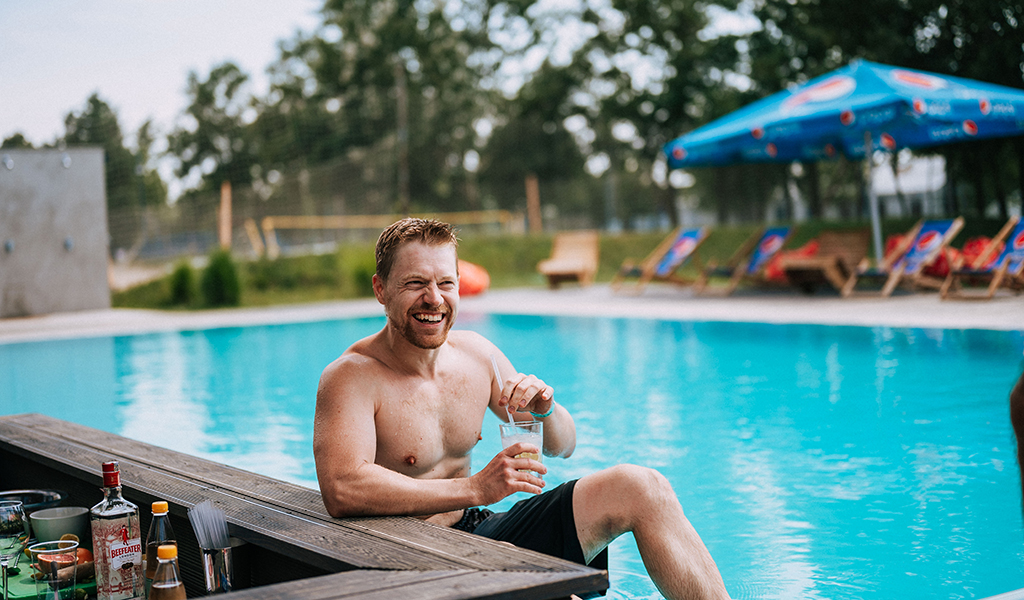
{"x":53,"y":231}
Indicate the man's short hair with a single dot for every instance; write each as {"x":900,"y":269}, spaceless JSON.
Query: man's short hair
{"x":427,"y":231}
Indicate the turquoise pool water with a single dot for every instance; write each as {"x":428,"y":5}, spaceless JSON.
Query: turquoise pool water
{"x":816,"y":462}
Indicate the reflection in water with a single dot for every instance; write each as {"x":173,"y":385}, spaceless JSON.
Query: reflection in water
{"x":815,"y":462}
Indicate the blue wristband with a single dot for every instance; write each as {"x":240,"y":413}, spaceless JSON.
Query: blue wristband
{"x":547,"y":414}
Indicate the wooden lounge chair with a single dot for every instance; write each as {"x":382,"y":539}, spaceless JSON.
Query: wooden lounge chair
{"x":747,"y":263}
{"x":907,"y":262}
{"x":573,"y":258}
{"x":663,"y":262}
{"x":998,"y":268}
{"x":839,"y":254}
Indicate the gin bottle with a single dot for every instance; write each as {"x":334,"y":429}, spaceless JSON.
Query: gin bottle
{"x":116,"y":541}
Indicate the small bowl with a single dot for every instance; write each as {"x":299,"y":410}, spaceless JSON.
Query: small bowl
{"x":49,"y":524}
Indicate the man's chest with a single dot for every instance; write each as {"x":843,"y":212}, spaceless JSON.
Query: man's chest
{"x":431,"y":425}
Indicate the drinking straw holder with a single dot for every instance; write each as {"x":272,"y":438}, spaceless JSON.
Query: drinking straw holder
{"x":218,"y":570}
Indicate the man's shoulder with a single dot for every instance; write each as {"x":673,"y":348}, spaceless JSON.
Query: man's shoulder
{"x":359,"y":358}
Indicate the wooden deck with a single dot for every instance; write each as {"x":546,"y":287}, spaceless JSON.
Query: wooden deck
{"x":293,"y":548}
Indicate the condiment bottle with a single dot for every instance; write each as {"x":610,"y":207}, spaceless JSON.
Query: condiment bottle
{"x":160,"y":533}
{"x":116,"y":541}
{"x":167,"y":583}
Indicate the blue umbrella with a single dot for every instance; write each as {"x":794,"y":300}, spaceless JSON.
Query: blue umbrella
{"x":862,"y":105}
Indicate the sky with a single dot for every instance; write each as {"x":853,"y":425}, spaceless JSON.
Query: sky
{"x":136,"y":54}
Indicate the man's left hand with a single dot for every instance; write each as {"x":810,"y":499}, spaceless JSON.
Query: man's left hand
{"x":526,"y":393}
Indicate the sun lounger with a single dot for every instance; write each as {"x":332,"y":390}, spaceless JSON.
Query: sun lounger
{"x":663,"y":262}
{"x":908,"y":261}
{"x":747,"y":263}
{"x":1003,"y":268}
{"x":839,"y":253}
{"x":573,"y":258}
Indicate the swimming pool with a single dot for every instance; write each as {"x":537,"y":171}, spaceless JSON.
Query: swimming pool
{"x":815,"y":461}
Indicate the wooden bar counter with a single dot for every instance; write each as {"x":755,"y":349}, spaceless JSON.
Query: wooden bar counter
{"x":289,"y":547}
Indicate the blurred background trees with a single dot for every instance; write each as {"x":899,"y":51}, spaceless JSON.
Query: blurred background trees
{"x":396,"y":106}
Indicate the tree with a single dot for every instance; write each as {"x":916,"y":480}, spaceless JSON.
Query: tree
{"x":97,"y":125}
{"x":16,"y":142}
{"x":130,"y":184}
{"x":215,"y":144}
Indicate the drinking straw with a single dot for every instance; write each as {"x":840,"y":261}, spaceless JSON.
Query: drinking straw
{"x":497,"y":374}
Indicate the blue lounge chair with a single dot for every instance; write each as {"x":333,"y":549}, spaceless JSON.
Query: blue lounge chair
{"x":907,"y":262}
{"x":663,"y":262}
{"x":998,"y":269}
{"x":747,"y":263}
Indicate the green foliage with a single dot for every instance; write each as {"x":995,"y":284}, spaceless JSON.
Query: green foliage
{"x":220,"y":283}
{"x":182,"y":284}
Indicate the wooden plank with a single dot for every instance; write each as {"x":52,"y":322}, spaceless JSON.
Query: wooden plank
{"x":422,"y":585}
{"x":383,"y":543}
{"x":290,"y":534}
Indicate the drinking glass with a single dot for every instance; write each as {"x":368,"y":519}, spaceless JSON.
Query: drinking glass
{"x":12,"y":528}
{"x":55,"y":562}
{"x":531,"y":432}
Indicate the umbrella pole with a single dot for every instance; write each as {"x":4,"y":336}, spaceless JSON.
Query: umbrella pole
{"x":876,"y":227}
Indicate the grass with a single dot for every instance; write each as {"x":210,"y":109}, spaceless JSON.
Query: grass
{"x":510,"y":261}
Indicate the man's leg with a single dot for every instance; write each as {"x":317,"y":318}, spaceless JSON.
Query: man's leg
{"x":628,"y":498}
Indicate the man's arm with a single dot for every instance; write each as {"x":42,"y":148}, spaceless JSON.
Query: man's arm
{"x":527,"y":393}
{"x":344,"y":448}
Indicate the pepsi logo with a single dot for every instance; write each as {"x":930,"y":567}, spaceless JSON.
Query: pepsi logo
{"x":919,"y":80}
{"x":771,"y":244}
{"x":928,"y":241}
{"x":832,"y":88}
{"x":846,"y":117}
{"x":970,"y":127}
{"x":757,"y":132}
{"x":678,"y":153}
{"x":920,"y":106}
{"x":985,"y":106}
{"x":888,"y":142}
{"x":684,"y":246}
{"x":771,"y":150}
{"x":1018,"y":242}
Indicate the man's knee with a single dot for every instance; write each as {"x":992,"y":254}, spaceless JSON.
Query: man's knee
{"x":642,"y":484}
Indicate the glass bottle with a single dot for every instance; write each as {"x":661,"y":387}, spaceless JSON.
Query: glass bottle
{"x":160,"y":533}
{"x":116,"y":541}
{"x":167,"y":583}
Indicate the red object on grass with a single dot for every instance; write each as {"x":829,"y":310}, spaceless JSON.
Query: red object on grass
{"x":473,"y":279}
{"x":773,"y":271}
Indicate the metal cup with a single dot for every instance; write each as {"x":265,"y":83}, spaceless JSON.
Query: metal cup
{"x":218,"y":570}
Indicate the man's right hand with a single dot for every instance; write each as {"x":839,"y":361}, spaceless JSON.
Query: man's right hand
{"x":506,"y":474}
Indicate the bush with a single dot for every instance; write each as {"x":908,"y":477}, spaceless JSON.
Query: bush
{"x":182,"y":284}
{"x":220,"y":283}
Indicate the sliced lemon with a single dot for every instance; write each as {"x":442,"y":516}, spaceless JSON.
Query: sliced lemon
{"x":67,"y":537}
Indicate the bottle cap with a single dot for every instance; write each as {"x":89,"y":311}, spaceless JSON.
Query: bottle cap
{"x":160,"y":506}
{"x":167,"y":551}
{"x":111,"y":474}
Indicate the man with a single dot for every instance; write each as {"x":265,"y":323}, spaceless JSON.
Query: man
{"x":398,"y":415}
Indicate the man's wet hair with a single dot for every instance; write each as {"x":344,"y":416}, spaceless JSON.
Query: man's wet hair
{"x":399,"y":233}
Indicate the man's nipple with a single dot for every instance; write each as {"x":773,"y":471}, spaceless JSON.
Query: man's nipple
{"x":410,"y":460}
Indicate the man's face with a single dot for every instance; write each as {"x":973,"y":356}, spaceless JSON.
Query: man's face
{"x":421,"y":295}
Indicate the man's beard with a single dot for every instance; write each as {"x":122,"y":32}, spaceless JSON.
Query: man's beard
{"x":427,"y":343}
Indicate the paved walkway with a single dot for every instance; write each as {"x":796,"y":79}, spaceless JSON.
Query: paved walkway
{"x":909,"y":310}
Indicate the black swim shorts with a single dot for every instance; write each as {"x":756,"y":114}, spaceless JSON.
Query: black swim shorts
{"x":543,"y":523}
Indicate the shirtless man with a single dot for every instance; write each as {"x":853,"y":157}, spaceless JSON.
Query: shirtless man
{"x":398,"y":415}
